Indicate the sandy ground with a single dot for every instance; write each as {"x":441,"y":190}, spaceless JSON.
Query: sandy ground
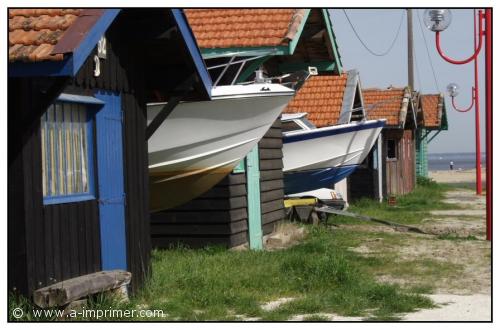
{"x":475,"y":307}
{"x":465,"y":294}
{"x":456,"y":176}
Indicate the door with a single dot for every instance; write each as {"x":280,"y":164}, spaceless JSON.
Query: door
{"x":111,"y":182}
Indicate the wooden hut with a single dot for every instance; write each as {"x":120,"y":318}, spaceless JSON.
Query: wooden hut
{"x":431,"y":118}
{"x":248,"y":203}
{"x":330,"y":99}
{"x":397,"y":144}
{"x":79,"y":81}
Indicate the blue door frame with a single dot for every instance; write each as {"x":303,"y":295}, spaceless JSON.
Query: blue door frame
{"x":111,"y":190}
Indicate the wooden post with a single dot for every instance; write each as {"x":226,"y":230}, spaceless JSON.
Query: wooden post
{"x":253,"y":192}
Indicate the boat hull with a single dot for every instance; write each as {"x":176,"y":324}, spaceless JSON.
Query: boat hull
{"x":201,"y":142}
{"x":322,"y":157}
{"x":300,"y":181}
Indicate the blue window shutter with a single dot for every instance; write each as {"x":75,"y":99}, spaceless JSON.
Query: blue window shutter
{"x":111,"y":182}
{"x":253,"y":193}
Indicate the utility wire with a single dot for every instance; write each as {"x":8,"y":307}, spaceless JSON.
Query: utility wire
{"x":428,"y":53}
{"x":364,"y":44}
{"x":418,"y":69}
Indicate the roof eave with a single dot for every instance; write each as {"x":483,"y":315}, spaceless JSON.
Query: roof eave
{"x":73,"y":59}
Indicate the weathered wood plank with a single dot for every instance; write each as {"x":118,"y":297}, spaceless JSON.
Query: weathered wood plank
{"x":194,"y":216}
{"x":271,"y":175}
{"x":265,"y":154}
{"x":271,"y":164}
{"x":272,"y":195}
{"x":198,"y":229}
{"x":64,"y":292}
{"x":271,"y":143}
{"x":271,"y":185}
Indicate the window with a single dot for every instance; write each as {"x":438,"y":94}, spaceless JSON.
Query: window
{"x":67,"y":153}
{"x":391,"y":149}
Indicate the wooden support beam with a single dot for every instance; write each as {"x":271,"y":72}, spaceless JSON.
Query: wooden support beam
{"x":64,"y":292}
{"x":167,"y":109}
{"x":162,"y":115}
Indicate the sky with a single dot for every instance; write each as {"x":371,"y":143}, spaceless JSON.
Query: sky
{"x":377,"y":28}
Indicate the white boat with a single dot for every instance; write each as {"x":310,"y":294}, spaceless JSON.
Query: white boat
{"x":201,"y":142}
{"x":316,"y":158}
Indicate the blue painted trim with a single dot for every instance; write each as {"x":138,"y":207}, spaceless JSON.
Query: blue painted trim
{"x":72,"y":98}
{"x":42,"y":69}
{"x":68,"y":199}
{"x":308,"y":135}
{"x":193,"y":49}
{"x":111,"y":182}
{"x":296,"y":182}
{"x":72,"y":62}
{"x":82,"y":52}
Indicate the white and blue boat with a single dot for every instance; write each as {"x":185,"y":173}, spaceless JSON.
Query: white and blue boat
{"x":315,"y":158}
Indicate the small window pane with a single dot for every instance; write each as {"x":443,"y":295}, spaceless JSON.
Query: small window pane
{"x":64,"y":135}
{"x":391,"y":149}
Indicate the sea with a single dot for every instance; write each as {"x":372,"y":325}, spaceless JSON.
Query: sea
{"x":461,"y":161}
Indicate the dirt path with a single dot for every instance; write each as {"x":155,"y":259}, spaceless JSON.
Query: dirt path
{"x":456,"y":261}
{"x":455,"y":308}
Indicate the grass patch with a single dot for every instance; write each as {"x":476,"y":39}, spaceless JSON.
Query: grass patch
{"x":316,"y":318}
{"x":409,"y":209}
{"x":321,"y":273}
{"x":454,"y":237}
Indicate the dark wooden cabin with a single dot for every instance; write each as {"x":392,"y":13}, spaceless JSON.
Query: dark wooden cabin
{"x":77,"y":147}
{"x":398,"y":145}
{"x":248,"y":203}
{"x":220,"y":216}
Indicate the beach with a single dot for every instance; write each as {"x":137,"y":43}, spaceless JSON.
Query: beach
{"x":456,"y":176}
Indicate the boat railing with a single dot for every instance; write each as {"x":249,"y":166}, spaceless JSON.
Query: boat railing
{"x":233,"y":61}
{"x":293,"y":80}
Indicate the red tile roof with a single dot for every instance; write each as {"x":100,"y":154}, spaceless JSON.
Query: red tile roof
{"x":321,"y":97}
{"x":384,"y":103}
{"x":225,"y":28}
{"x":431,"y":108}
{"x":33,"y":33}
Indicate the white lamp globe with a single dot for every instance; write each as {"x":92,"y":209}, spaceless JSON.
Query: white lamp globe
{"x":437,"y":20}
{"x":453,"y":89}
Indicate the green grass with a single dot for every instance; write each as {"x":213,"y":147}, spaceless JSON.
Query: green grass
{"x":321,"y":273}
{"x":409,"y":209}
{"x":454,"y":237}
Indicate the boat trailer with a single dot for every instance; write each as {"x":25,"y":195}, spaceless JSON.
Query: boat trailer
{"x":314,"y":210}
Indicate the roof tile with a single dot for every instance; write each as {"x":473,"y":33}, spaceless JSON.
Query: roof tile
{"x":225,"y":28}
{"x":321,"y":97}
{"x":431,"y":108}
{"x":380,"y":104}
{"x":34,"y":32}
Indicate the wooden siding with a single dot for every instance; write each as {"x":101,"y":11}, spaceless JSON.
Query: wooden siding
{"x":271,"y":178}
{"x":56,"y":242}
{"x":399,"y":173}
{"x":220,"y":216}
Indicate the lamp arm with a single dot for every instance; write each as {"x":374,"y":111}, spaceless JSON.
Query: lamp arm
{"x":476,"y":51}
{"x":471,"y":104}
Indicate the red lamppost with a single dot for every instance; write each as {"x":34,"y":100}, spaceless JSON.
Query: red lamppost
{"x":438,"y":20}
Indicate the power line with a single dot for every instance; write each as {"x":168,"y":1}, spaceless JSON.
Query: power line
{"x":428,"y":53}
{"x":418,"y":68}
{"x":364,"y":44}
